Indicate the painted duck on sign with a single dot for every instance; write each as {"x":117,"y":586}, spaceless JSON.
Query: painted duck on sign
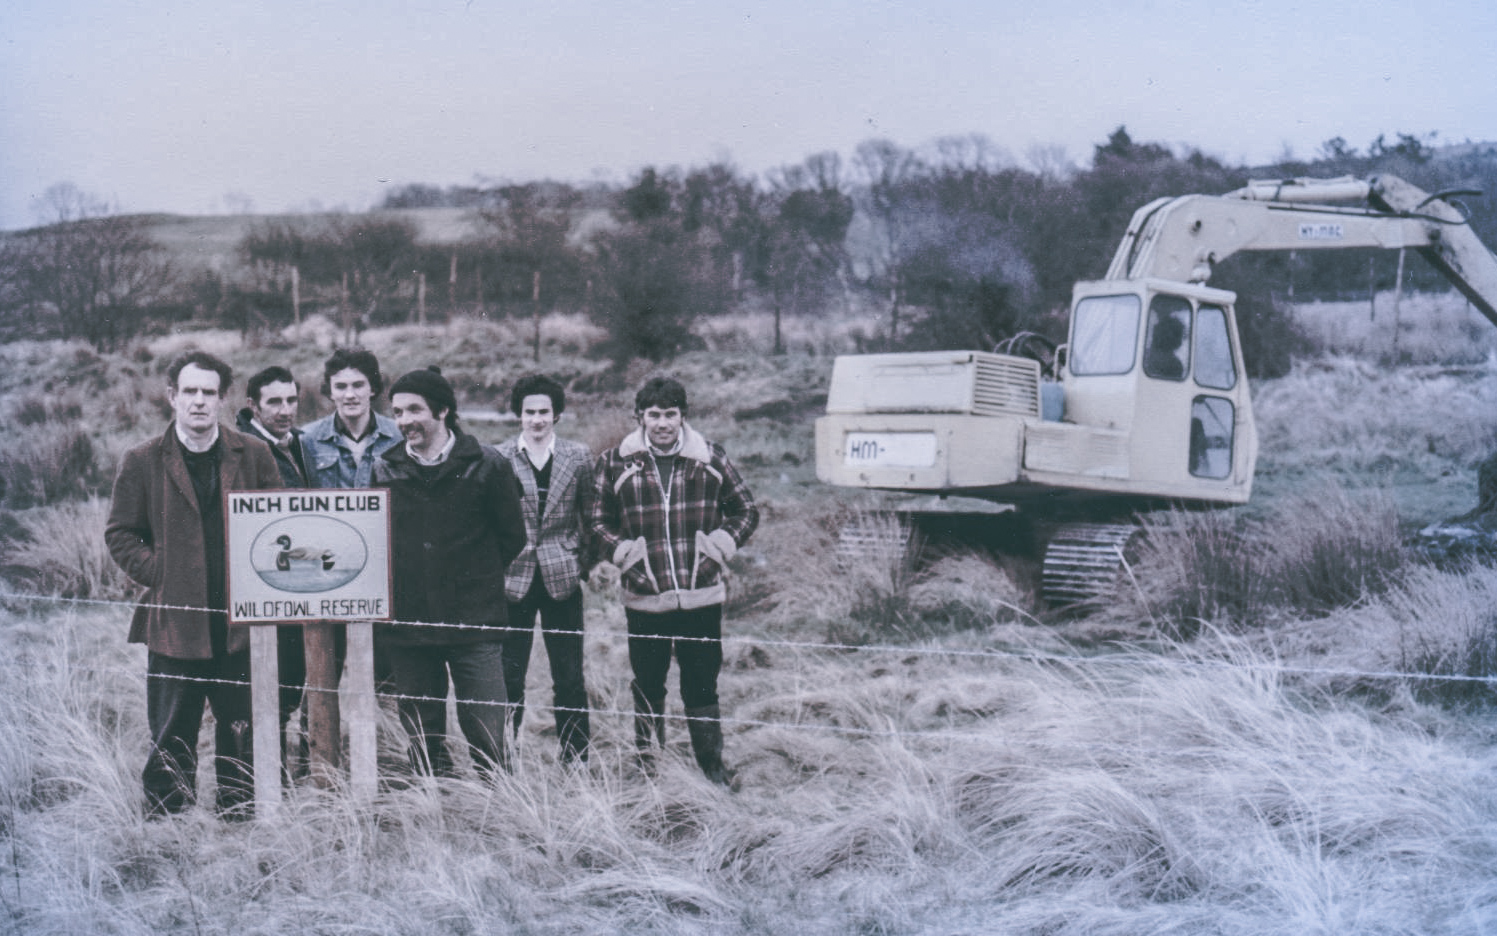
{"x":301,"y":555}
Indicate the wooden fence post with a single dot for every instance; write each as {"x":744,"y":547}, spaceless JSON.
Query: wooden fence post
{"x":265,"y":716}
{"x":535,"y":301}
{"x":324,"y":728}
{"x":362,"y":710}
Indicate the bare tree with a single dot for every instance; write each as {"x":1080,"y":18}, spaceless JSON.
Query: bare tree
{"x":95,"y":269}
{"x":803,"y":250}
{"x":887,"y":169}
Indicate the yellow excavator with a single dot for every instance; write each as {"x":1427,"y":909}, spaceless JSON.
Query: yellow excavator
{"x":1146,"y":402}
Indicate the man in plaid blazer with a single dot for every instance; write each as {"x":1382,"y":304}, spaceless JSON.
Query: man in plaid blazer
{"x":556,"y":476}
{"x":671,"y":511}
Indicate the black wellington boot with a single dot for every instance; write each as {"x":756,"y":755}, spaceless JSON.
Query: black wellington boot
{"x":649,"y":725}
{"x":707,"y":743}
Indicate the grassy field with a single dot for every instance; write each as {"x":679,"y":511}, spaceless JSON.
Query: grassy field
{"x":1268,"y":729}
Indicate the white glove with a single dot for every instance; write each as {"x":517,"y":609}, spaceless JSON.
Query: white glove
{"x":629,"y":553}
{"x":718,"y":546}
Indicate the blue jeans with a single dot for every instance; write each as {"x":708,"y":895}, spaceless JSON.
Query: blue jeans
{"x":421,"y":679}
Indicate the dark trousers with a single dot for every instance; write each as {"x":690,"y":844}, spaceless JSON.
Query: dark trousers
{"x":291,"y":664}
{"x":175,"y":693}
{"x":561,"y":629}
{"x":477,"y":674}
{"x":653,"y":636}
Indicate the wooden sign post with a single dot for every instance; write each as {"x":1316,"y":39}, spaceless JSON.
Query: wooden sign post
{"x":321,"y":559}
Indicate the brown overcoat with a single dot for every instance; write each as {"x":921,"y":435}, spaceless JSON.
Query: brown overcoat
{"x":156,"y":535}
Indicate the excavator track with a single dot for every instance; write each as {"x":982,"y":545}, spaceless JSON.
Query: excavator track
{"x":875,"y":536}
{"x":1082,"y":560}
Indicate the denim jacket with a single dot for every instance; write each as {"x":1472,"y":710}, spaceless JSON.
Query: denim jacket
{"x":330,"y":462}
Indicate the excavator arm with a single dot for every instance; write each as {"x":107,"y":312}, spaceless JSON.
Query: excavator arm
{"x":1182,"y":238}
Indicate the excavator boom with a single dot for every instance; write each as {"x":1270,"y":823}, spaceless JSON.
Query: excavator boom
{"x":1183,"y":238}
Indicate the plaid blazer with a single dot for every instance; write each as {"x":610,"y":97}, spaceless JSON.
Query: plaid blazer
{"x":558,"y":543}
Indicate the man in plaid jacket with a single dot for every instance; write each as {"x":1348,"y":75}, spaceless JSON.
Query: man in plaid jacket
{"x":671,"y":511}
{"x":556,"y":480}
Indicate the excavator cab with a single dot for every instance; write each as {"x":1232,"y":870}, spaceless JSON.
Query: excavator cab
{"x":1153,"y":373}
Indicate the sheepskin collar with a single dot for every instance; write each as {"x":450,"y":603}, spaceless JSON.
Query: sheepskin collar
{"x":693,"y":444}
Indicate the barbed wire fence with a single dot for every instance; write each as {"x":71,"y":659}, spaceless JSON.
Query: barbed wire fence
{"x":1133,"y":660}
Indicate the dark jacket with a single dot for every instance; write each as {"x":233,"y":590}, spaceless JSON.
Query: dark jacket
{"x":452,"y":534}
{"x":155,"y":534}
{"x":672,"y":552}
{"x":292,"y":460}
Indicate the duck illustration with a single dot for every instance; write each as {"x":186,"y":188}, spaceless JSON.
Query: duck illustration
{"x":286,"y":554}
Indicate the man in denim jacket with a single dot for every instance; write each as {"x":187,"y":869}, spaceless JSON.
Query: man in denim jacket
{"x":342,"y":447}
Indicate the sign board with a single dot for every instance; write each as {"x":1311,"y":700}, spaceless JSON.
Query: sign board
{"x":308,"y":555}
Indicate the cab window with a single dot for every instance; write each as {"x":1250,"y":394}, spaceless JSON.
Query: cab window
{"x":1104,"y":335}
{"x":1214,"y":365}
{"x":1167,"y":345}
{"x":1211,"y":424}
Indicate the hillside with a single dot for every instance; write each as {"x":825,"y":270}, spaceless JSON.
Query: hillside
{"x":1247,"y":738}
{"x":212,"y":241}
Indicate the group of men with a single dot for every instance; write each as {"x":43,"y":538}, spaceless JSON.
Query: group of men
{"x":484,"y":540}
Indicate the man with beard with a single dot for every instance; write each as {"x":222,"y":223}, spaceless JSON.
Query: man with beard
{"x":455,"y":525}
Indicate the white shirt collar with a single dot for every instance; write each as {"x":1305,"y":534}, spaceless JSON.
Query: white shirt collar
{"x":538,"y":459}
{"x":436,"y":459}
{"x":193,"y":446}
{"x":283,"y":441}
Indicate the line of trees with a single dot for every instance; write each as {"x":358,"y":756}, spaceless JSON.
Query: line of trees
{"x":957,"y":245}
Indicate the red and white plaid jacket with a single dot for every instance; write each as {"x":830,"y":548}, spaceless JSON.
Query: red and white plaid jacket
{"x":672,"y":550}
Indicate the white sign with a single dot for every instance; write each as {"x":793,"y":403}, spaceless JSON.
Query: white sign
{"x":308,"y":555}
{"x":890,"y":449}
{"x":1321,"y":230}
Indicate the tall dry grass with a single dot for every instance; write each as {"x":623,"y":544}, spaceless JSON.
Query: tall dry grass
{"x":882,"y":792}
{"x":1310,"y":555}
{"x":1354,"y":417}
{"x":59,"y":550}
{"x":952,"y":766}
{"x":1425,"y":328}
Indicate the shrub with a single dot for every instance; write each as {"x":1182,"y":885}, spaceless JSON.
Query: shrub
{"x":1332,"y":549}
{"x":43,"y":466}
{"x":59,"y":550}
{"x":1473,"y":656}
{"x":877,"y":554}
{"x":1315,"y":554}
{"x":1443,"y":625}
{"x":1201,"y":566}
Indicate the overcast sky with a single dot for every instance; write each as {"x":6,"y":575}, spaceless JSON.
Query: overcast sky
{"x":274,"y":105}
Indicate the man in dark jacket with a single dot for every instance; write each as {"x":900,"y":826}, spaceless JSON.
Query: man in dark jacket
{"x":456,"y":524}
{"x":166,"y":530}
{"x":671,"y":511}
{"x":272,"y":398}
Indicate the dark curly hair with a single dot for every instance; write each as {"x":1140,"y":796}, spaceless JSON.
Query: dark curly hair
{"x":664,"y":392}
{"x":537,"y":385}
{"x":207,"y":362}
{"x":361,"y":360}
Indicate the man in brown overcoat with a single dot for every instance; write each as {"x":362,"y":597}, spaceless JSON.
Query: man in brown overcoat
{"x":166,"y":530}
